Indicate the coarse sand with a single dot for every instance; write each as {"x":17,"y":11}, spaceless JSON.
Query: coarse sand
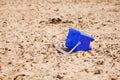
{"x":29,"y":30}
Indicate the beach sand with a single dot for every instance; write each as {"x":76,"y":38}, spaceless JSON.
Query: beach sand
{"x":29,"y":30}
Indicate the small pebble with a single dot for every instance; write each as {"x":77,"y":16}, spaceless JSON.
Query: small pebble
{"x":113,"y":79}
{"x":0,"y":67}
{"x":97,"y":72}
{"x":59,"y":77}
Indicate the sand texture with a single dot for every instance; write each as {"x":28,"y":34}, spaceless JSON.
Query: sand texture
{"x":29,"y":30}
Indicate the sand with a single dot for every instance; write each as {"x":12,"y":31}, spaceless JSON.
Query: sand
{"x":29,"y":30}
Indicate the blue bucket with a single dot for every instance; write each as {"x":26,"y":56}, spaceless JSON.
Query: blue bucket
{"x":74,"y":37}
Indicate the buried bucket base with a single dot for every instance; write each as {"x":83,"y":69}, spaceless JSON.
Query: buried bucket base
{"x":64,"y":52}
